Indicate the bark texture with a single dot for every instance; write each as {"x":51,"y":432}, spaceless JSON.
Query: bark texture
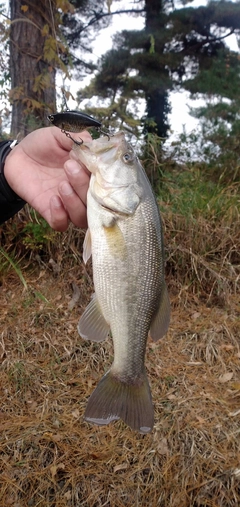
{"x":157,"y":101}
{"x":32,"y":74}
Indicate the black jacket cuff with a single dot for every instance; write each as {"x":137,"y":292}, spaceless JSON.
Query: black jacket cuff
{"x":10,"y":202}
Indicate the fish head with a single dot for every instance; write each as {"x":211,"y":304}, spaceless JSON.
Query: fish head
{"x":115,"y":172}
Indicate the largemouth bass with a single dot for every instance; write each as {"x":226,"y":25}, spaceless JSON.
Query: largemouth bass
{"x":131,"y":299}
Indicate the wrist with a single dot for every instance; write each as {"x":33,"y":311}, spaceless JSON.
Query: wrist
{"x":5,"y":149}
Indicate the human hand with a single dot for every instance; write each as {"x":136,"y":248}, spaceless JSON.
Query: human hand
{"x":43,"y":171}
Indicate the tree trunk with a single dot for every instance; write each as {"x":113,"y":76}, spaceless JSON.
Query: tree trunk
{"x":157,"y":102}
{"x":32,"y":76}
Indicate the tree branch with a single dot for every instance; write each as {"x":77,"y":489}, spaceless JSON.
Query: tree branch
{"x":222,"y":36}
{"x":97,"y":16}
{"x":208,"y":40}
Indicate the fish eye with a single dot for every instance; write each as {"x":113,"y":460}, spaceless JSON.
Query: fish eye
{"x":127,"y":157}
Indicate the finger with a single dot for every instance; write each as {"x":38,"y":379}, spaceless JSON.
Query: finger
{"x":74,"y":206}
{"x":58,"y":219}
{"x":79,"y":177}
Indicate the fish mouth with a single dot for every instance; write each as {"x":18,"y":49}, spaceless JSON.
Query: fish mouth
{"x":105,"y":144}
{"x":115,"y":212}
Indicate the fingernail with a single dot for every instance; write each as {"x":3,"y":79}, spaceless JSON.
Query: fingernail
{"x":56,"y":201}
{"x":72,"y":167}
{"x":66,"y":189}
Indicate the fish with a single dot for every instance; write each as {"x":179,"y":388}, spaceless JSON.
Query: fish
{"x":75,"y":121}
{"x":125,"y":240}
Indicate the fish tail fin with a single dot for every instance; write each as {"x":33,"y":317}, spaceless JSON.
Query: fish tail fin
{"x":114,"y":399}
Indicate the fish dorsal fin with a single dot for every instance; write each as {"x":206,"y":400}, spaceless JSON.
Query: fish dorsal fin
{"x":160,"y":322}
{"x":92,"y":325}
{"x":87,"y":247}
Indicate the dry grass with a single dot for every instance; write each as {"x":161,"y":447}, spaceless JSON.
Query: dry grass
{"x":51,"y":458}
{"x":203,"y":257}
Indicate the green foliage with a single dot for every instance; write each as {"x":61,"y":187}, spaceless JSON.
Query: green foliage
{"x":219,"y":77}
{"x":152,"y":45}
{"x":216,"y":150}
{"x":190,"y":193}
{"x":201,"y":223}
{"x":217,"y":140}
{"x":37,"y":235}
{"x":19,"y":376}
{"x":152,"y":157}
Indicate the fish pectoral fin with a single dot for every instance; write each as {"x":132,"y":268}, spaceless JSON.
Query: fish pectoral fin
{"x":87,"y":247}
{"x":160,"y":322}
{"x":92,"y":325}
{"x":115,"y":241}
{"x":114,"y":399}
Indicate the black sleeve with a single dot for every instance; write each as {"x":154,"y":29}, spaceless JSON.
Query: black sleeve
{"x":10,"y":203}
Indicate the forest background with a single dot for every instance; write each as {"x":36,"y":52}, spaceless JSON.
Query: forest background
{"x":49,"y":456}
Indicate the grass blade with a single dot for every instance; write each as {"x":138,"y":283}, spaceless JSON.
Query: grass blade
{"x":15,"y":267}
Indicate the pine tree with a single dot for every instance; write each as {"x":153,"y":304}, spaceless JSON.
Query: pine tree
{"x":220,"y":116}
{"x":149,"y":63}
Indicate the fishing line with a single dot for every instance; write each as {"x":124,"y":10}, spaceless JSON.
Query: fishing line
{"x":68,"y":120}
{"x":64,"y":99}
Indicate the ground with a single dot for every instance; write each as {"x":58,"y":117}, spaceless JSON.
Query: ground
{"x":50,"y":457}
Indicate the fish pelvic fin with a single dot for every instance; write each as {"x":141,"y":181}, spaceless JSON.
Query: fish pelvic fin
{"x":161,"y":319}
{"x":92,"y":325}
{"x":114,"y":399}
{"x":87,"y":247}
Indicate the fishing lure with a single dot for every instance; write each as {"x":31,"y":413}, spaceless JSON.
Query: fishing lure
{"x":75,"y":121}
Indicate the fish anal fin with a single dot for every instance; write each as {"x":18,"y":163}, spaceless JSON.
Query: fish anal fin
{"x":92,"y":325}
{"x":114,"y":399}
{"x":87,"y":247}
{"x":161,"y":319}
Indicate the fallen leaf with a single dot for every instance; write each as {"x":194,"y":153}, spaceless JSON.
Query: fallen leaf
{"x":195,"y":315}
{"x":226,"y":346}
{"x":236,"y":386}
{"x":75,"y":297}
{"x":57,"y":437}
{"x":172,"y":397}
{"x":53,"y":470}
{"x":201,"y":420}
{"x":120,"y":467}
{"x":226,"y":377}
{"x":233,"y":414}
{"x":162,"y":447}
{"x":55,"y":267}
{"x":76,"y":413}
